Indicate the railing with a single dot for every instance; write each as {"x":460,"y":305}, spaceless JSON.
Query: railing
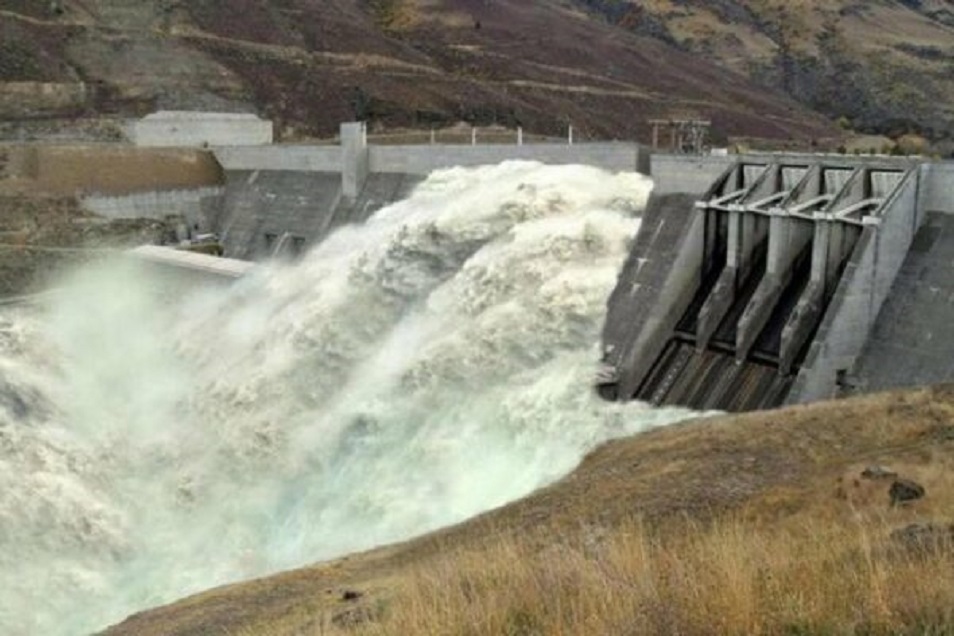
{"x":460,"y":135}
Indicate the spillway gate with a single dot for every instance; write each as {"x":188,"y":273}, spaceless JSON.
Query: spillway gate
{"x":726,"y":294}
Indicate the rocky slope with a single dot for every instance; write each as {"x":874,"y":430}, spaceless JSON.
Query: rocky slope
{"x":884,"y":67}
{"x":397,"y":63}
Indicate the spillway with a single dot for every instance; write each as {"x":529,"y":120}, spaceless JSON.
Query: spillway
{"x":406,"y":373}
{"x":762,"y":290}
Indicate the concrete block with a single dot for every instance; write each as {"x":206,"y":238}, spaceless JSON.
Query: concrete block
{"x":280,"y":158}
{"x":687,"y":174}
{"x":186,"y":128}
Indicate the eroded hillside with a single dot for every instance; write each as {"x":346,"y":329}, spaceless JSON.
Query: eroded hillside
{"x":885,"y":67}
{"x":397,"y":63}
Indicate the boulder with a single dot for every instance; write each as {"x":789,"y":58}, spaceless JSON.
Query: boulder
{"x":904,"y":491}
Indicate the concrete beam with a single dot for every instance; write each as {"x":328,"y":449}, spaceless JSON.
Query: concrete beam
{"x":195,"y":263}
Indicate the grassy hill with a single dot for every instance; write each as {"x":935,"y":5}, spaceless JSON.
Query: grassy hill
{"x":397,"y":63}
{"x":758,"y":523}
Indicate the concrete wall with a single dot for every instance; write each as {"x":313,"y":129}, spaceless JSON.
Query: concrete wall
{"x":937,"y":188}
{"x":287,"y":158}
{"x":693,"y":174}
{"x":685,"y":173}
{"x":912,"y":343}
{"x":178,"y":270}
{"x":425,"y":159}
{"x":179,"y":128}
{"x":196,"y":207}
{"x":654,"y":289}
{"x":864,"y":286}
{"x":262,"y":206}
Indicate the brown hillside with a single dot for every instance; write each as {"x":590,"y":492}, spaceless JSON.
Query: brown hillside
{"x":397,"y":63}
{"x":887,"y":67}
{"x":760,"y":523}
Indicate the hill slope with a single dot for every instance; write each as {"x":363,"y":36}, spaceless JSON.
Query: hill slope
{"x":886,"y":67}
{"x":310,"y":65}
{"x":742,"y":524}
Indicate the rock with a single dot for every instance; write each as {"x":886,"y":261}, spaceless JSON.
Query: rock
{"x":905,"y":490}
{"x":878,"y":472}
{"x":924,"y":537}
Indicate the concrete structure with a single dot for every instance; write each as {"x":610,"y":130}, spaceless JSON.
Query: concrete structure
{"x":754,"y":281}
{"x":196,"y":207}
{"x":686,"y":134}
{"x":192,"y":266}
{"x":190,"y":129}
{"x":267,"y":213}
{"x":283,"y":199}
{"x":765,"y":289}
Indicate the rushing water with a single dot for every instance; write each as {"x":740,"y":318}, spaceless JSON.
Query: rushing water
{"x":406,"y":374}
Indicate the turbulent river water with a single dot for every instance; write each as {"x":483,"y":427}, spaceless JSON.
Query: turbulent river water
{"x":405,"y":374}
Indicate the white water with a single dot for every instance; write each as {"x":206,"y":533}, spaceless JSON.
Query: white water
{"x":407,"y":374}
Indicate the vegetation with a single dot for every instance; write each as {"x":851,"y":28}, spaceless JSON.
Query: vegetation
{"x":763,"y":523}
{"x":731,"y":577}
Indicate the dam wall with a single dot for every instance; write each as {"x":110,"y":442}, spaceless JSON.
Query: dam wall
{"x":424,"y":159}
{"x":662,"y":274}
{"x":201,"y":129}
{"x":788,"y":279}
{"x":912,"y":341}
{"x":291,"y":158}
{"x":865,"y":284}
{"x":268,"y":212}
{"x":280,"y":199}
{"x":686,"y":174}
{"x":197,"y":207}
{"x":937,"y":189}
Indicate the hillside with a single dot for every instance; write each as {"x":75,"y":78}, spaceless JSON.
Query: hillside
{"x":760,"y":523}
{"x":885,"y":67}
{"x":397,"y":63}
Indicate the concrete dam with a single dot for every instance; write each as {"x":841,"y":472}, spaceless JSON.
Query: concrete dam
{"x":755,"y":280}
{"x":779,"y":283}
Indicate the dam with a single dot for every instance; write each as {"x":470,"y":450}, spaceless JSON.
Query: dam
{"x":755,"y":280}
{"x":766,"y":287}
{"x":434,"y":361}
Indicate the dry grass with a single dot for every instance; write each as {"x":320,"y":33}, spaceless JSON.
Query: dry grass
{"x":760,"y":523}
{"x":728,"y":578}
